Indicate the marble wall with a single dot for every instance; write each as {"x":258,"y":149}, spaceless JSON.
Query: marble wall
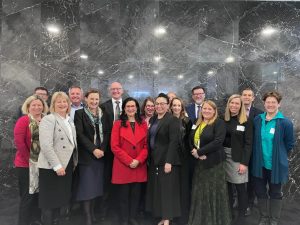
{"x":150,"y":47}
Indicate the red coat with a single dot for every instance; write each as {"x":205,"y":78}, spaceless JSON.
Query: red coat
{"x":127,"y":146}
{"x":22,"y":137}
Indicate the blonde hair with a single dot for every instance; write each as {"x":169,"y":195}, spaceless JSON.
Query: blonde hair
{"x":214,"y":106}
{"x":29,"y":100}
{"x":59,"y":94}
{"x":242,"y":116}
{"x":182,"y":113}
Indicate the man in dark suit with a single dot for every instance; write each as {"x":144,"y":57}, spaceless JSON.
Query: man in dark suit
{"x":248,"y":98}
{"x":198,"y":96}
{"x":113,"y":109}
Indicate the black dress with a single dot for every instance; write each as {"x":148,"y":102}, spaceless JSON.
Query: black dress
{"x":163,"y":189}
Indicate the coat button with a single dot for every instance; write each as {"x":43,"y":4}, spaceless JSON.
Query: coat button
{"x":59,"y":129}
{"x":133,"y":147}
{"x":62,"y":139}
{"x":64,"y":146}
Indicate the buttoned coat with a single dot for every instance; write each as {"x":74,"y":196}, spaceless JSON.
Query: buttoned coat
{"x":126,"y":146}
{"x":56,"y":144}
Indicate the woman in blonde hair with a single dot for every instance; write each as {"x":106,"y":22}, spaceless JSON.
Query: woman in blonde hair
{"x":238,"y":148}
{"x":57,"y":158}
{"x":209,"y":204}
{"x":26,"y":137}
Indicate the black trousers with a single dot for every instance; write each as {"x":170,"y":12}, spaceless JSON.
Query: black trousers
{"x":129,"y":197}
{"x":28,"y":208}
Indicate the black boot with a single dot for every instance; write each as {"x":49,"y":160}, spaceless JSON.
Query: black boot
{"x":262,"y":205}
{"x":275,"y":211}
{"x":94,"y":219}
{"x":87,"y":212}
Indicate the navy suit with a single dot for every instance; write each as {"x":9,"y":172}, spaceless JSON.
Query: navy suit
{"x":190,"y":110}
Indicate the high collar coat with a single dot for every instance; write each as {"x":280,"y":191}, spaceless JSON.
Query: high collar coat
{"x":127,"y":145}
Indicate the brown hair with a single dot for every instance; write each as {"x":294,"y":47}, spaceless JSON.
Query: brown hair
{"x":182,"y":113}
{"x":150,"y":99}
{"x":274,"y":94}
{"x":92,"y":91}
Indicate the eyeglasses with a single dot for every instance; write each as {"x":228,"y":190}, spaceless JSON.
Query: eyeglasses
{"x":160,"y":103}
{"x":116,"y":89}
{"x":199,"y":94}
{"x":149,"y":106}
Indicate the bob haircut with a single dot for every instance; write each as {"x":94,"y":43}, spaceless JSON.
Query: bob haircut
{"x":148,"y":99}
{"x":242,"y":116}
{"x":92,"y":91}
{"x":29,"y":100}
{"x":214,"y":106}
{"x":55,"y":96}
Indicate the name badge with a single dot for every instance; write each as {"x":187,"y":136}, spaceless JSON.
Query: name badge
{"x":272,"y":130}
{"x":240,"y":128}
{"x":194,"y":127}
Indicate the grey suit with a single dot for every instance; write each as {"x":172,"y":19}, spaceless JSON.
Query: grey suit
{"x":56,"y":144}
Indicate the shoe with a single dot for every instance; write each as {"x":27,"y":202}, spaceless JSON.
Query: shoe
{"x":248,"y":211}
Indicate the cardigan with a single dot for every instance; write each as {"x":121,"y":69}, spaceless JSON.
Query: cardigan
{"x":283,"y":143}
{"x":22,"y":138}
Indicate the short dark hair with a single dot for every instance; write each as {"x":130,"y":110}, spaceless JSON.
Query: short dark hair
{"x":247,"y":89}
{"x":41,"y":88}
{"x":198,"y":87}
{"x":274,"y":94}
{"x":163,"y":95}
{"x":124,"y":117}
{"x":92,"y":90}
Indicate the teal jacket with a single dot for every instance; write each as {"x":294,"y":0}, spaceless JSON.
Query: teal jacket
{"x":283,"y":142}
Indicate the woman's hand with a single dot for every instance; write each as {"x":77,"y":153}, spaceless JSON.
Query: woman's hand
{"x":98,"y":153}
{"x":242,"y":169}
{"x":134,"y":164}
{"x":195,"y":153}
{"x":168,"y":168}
{"x":202,"y":157}
{"x":61,"y":172}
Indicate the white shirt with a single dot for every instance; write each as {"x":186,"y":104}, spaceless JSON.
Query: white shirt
{"x":196,"y":109}
{"x":74,"y":108}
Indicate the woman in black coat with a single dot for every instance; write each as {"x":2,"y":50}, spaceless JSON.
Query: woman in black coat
{"x":209,"y":202}
{"x":178,"y":110}
{"x":163,"y":189}
{"x":92,"y":136}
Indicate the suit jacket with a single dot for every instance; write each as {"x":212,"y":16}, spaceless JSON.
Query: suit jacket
{"x":254,"y":112}
{"x":126,"y":146}
{"x":167,"y":141}
{"x":108,"y":108}
{"x":211,"y":143}
{"x":56,"y":144}
{"x":85,"y":135}
{"x":190,"y":110}
{"x":239,"y":140}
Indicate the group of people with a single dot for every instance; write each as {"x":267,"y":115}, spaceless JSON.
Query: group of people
{"x":184,"y":164}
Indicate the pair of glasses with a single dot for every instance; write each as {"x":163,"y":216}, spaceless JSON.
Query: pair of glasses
{"x":160,"y":103}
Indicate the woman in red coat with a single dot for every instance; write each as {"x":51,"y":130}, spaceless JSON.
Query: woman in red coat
{"x":129,"y":145}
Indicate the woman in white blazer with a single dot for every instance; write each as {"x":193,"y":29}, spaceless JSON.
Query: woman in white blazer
{"x":58,"y":157}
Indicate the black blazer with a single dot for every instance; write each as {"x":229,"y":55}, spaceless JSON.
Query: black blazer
{"x":167,"y":141}
{"x":254,"y":112}
{"x":211,"y":143}
{"x":239,"y":141}
{"x":108,"y":107}
{"x":85,"y":136}
{"x":185,"y":129}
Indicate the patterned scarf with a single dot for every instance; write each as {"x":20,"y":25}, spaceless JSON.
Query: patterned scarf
{"x":96,"y":120}
{"x":34,"y":154}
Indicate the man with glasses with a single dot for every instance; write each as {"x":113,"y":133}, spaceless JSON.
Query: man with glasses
{"x":113,"y":109}
{"x":198,"y":96}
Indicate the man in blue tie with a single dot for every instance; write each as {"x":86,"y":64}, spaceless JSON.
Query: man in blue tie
{"x":193,"y":109}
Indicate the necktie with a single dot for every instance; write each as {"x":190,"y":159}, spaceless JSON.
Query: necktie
{"x":247,"y":112}
{"x":117,"y":110}
{"x":198,"y":110}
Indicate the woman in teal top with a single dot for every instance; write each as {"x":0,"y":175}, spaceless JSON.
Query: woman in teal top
{"x":273,"y":140}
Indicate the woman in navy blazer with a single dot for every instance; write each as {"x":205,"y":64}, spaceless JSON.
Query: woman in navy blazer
{"x":58,"y":157}
{"x":273,"y":140}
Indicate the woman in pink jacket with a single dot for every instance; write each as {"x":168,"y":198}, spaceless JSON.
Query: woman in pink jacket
{"x":26,"y":137}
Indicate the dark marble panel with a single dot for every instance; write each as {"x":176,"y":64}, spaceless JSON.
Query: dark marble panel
{"x":14,"y":6}
{"x":60,"y":48}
